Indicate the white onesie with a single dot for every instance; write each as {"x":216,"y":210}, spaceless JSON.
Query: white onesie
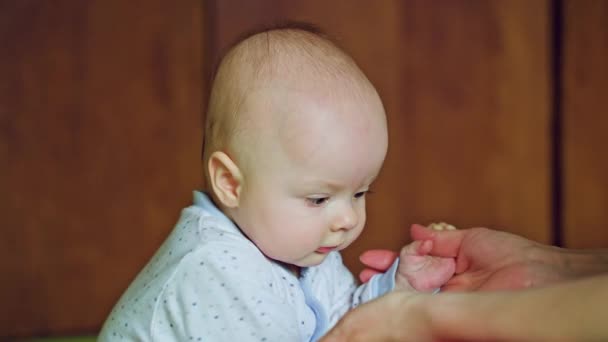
{"x":208,"y":282}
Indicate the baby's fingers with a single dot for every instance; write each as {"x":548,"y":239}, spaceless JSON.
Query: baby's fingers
{"x":446,"y":243}
{"x":417,"y":248}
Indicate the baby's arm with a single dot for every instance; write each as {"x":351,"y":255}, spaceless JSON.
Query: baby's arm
{"x":214,"y":296}
{"x":418,"y":271}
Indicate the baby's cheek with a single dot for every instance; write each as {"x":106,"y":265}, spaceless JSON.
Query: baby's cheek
{"x":354,"y":234}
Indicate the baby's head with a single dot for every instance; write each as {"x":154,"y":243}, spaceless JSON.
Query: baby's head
{"x":295,"y":135}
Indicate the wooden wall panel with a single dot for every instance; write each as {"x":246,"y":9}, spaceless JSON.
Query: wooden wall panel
{"x":100,"y":105}
{"x":585,"y":123}
{"x":466,"y":89}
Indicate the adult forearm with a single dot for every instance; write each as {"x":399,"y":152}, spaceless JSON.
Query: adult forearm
{"x":575,"y":263}
{"x":572,"y":311}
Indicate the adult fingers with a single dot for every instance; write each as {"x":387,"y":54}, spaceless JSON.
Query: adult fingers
{"x":367,"y":274}
{"x":446,"y":243}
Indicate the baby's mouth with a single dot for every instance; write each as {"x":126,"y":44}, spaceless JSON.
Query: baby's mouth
{"x":325,"y":250}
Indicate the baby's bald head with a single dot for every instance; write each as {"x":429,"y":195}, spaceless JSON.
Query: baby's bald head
{"x":253,"y":92}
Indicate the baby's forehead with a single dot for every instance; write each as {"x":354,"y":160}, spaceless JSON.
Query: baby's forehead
{"x":292,"y":102}
{"x":289,"y":55}
{"x":289,"y":106}
{"x":282,"y":79}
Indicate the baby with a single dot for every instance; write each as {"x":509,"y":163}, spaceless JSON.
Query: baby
{"x":294,"y":138}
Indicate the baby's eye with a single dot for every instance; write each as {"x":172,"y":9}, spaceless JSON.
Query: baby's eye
{"x":360,"y":194}
{"x":317,"y":201}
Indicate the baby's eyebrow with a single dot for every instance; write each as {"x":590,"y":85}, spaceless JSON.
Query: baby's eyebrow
{"x":329,"y":185}
{"x":332,"y":186}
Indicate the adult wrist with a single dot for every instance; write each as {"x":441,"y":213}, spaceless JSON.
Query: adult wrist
{"x":569,"y":264}
{"x":456,"y":315}
{"x":577,"y":263}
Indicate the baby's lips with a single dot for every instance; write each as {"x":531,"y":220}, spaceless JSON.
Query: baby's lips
{"x":325,"y":250}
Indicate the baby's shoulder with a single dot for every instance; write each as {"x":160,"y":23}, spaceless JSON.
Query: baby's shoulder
{"x":214,"y":241}
{"x":199,"y":227}
{"x":226,"y":255}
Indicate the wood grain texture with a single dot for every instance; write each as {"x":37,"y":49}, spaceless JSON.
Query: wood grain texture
{"x":466,"y":89}
{"x":100,"y":105}
{"x":585,"y":105}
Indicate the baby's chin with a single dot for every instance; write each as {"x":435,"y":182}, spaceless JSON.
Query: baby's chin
{"x":296,"y":265}
{"x":314,"y":259}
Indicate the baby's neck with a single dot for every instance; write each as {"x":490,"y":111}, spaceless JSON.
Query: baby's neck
{"x":295,"y":270}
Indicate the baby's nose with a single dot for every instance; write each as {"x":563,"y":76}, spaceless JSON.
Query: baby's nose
{"x":346,"y":218}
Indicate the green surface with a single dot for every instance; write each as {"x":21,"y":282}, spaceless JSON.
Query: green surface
{"x":60,"y":339}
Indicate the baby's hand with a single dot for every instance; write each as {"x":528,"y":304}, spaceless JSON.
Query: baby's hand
{"x":422,"y":272}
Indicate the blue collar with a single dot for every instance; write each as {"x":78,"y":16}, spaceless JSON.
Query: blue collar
{"x":203,"y":201}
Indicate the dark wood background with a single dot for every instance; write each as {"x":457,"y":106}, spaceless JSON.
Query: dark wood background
{"x":496,"y":112}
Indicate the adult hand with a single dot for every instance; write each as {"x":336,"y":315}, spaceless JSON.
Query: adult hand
{"x":485,"y":259}
{"x":395,"y":316}
{"x":576,"y":314}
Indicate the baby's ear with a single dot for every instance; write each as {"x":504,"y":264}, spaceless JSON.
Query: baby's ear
{"x":225,"y":178}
